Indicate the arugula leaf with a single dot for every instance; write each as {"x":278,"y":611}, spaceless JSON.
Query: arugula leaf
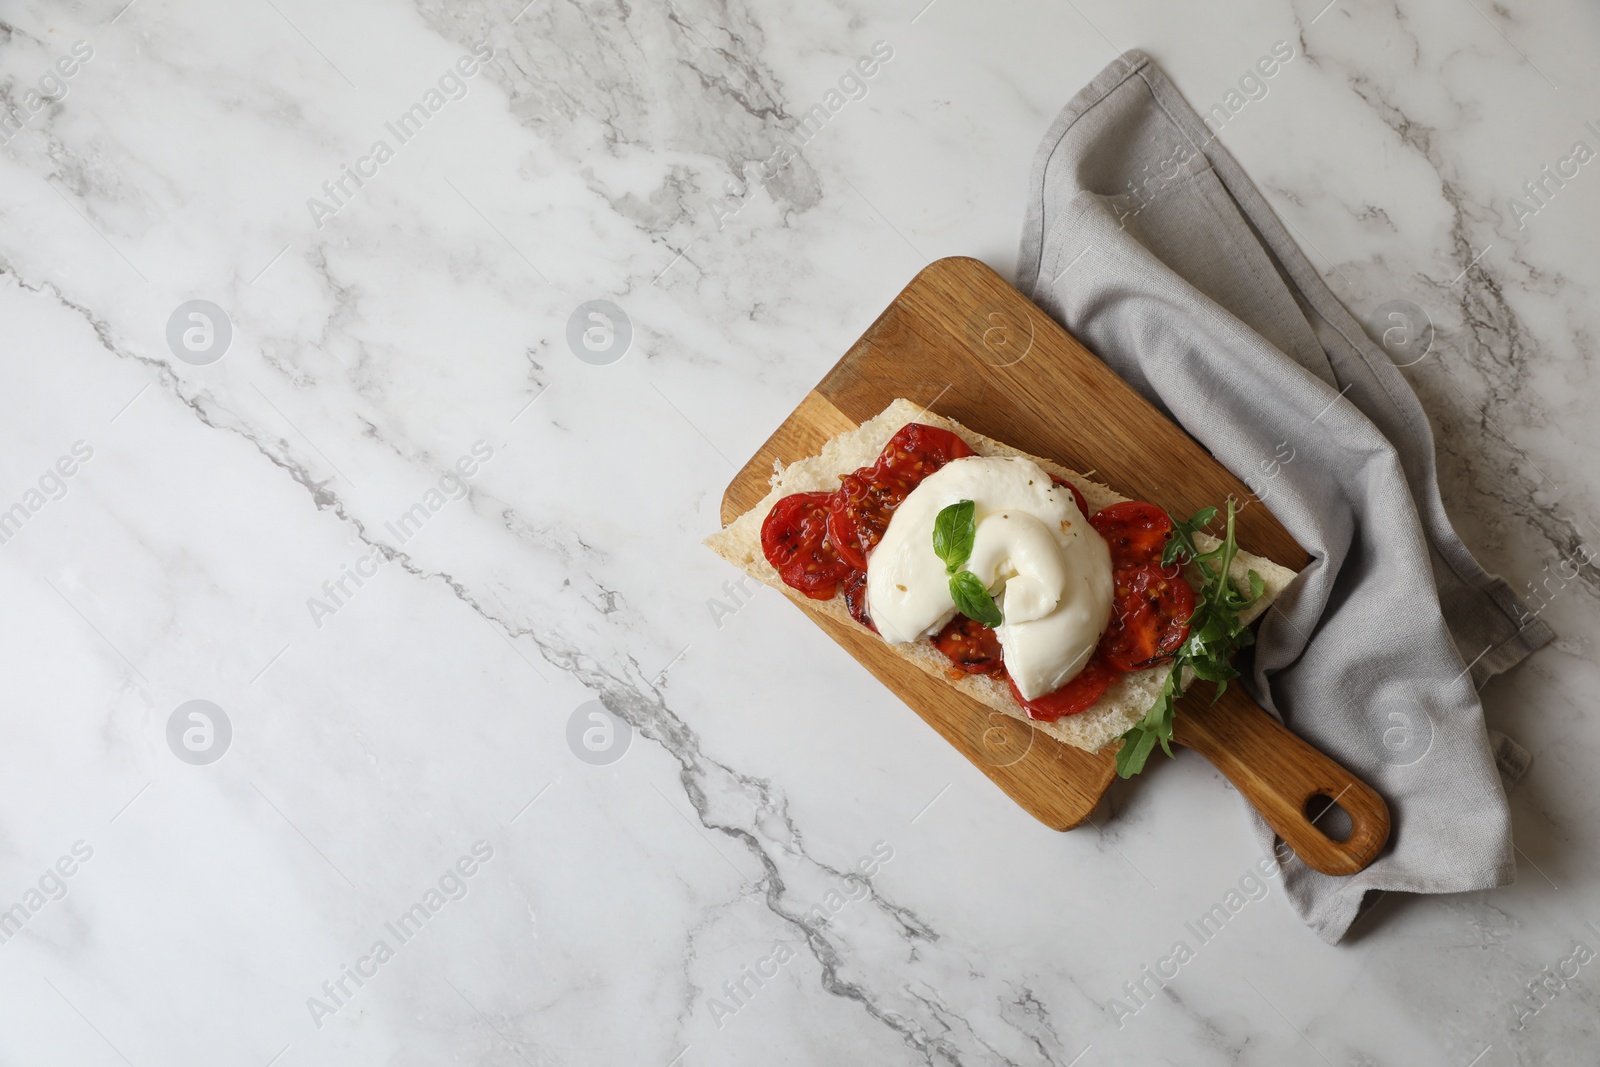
{"x":1216,"y":633}
{"x":973,"y":600}
{"x":1134,"y":751}
{"x":1181,"y":545}
{"x":953,"y":533}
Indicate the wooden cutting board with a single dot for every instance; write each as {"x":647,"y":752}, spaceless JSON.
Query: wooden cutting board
{"x":963,"y":342}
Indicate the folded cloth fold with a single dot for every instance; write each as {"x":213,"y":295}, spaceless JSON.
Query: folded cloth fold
{"x":1146,"y":240}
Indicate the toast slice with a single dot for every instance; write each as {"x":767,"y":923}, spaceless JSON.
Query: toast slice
{"x":1123,"y":705}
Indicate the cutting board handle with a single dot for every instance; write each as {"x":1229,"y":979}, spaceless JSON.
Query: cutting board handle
{"x":1279,"y":774}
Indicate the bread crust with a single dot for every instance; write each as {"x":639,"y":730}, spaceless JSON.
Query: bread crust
{"x":1122,"y":706}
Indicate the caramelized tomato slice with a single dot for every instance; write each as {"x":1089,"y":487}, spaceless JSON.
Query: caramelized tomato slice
{"x":867,"y":498}
{"x":794,"y":539}
{"x":1150,"y":617}
{"x":1077,"y":695}
{"x":1083,"y":505}
{"x":917,"y":450}
{"x":855,"y":599}
{"x":1136,"y":533}
{"x":971,"y":646}
{"x":861,"y":509}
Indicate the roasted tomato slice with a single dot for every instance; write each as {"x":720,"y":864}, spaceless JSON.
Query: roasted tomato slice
{"x":1136,"y":533}
{"x":1083,"y":505}
{"x":1077,"y":695}
{"x":972,"y":647}
{"x":794,"y":539}
{"x":855,"y":599}
{"x":861,"y":510}
{"x":867,"y":498}
{"x":917,"y":450}
{"x":1150,"y":617}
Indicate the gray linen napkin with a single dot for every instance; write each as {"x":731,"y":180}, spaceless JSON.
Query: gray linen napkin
{"x":1148,"y":242}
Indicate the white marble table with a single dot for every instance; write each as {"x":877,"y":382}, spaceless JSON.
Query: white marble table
{"x":400,"y":651}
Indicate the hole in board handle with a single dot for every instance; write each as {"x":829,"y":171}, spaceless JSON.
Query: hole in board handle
{"x":1327,"y":816}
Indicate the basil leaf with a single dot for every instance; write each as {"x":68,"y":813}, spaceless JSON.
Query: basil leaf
{"x":953,"y":532}
{"x":973,"y":600}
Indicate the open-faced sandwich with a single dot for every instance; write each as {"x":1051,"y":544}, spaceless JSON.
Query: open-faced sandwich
{"x":1027,"y":586}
